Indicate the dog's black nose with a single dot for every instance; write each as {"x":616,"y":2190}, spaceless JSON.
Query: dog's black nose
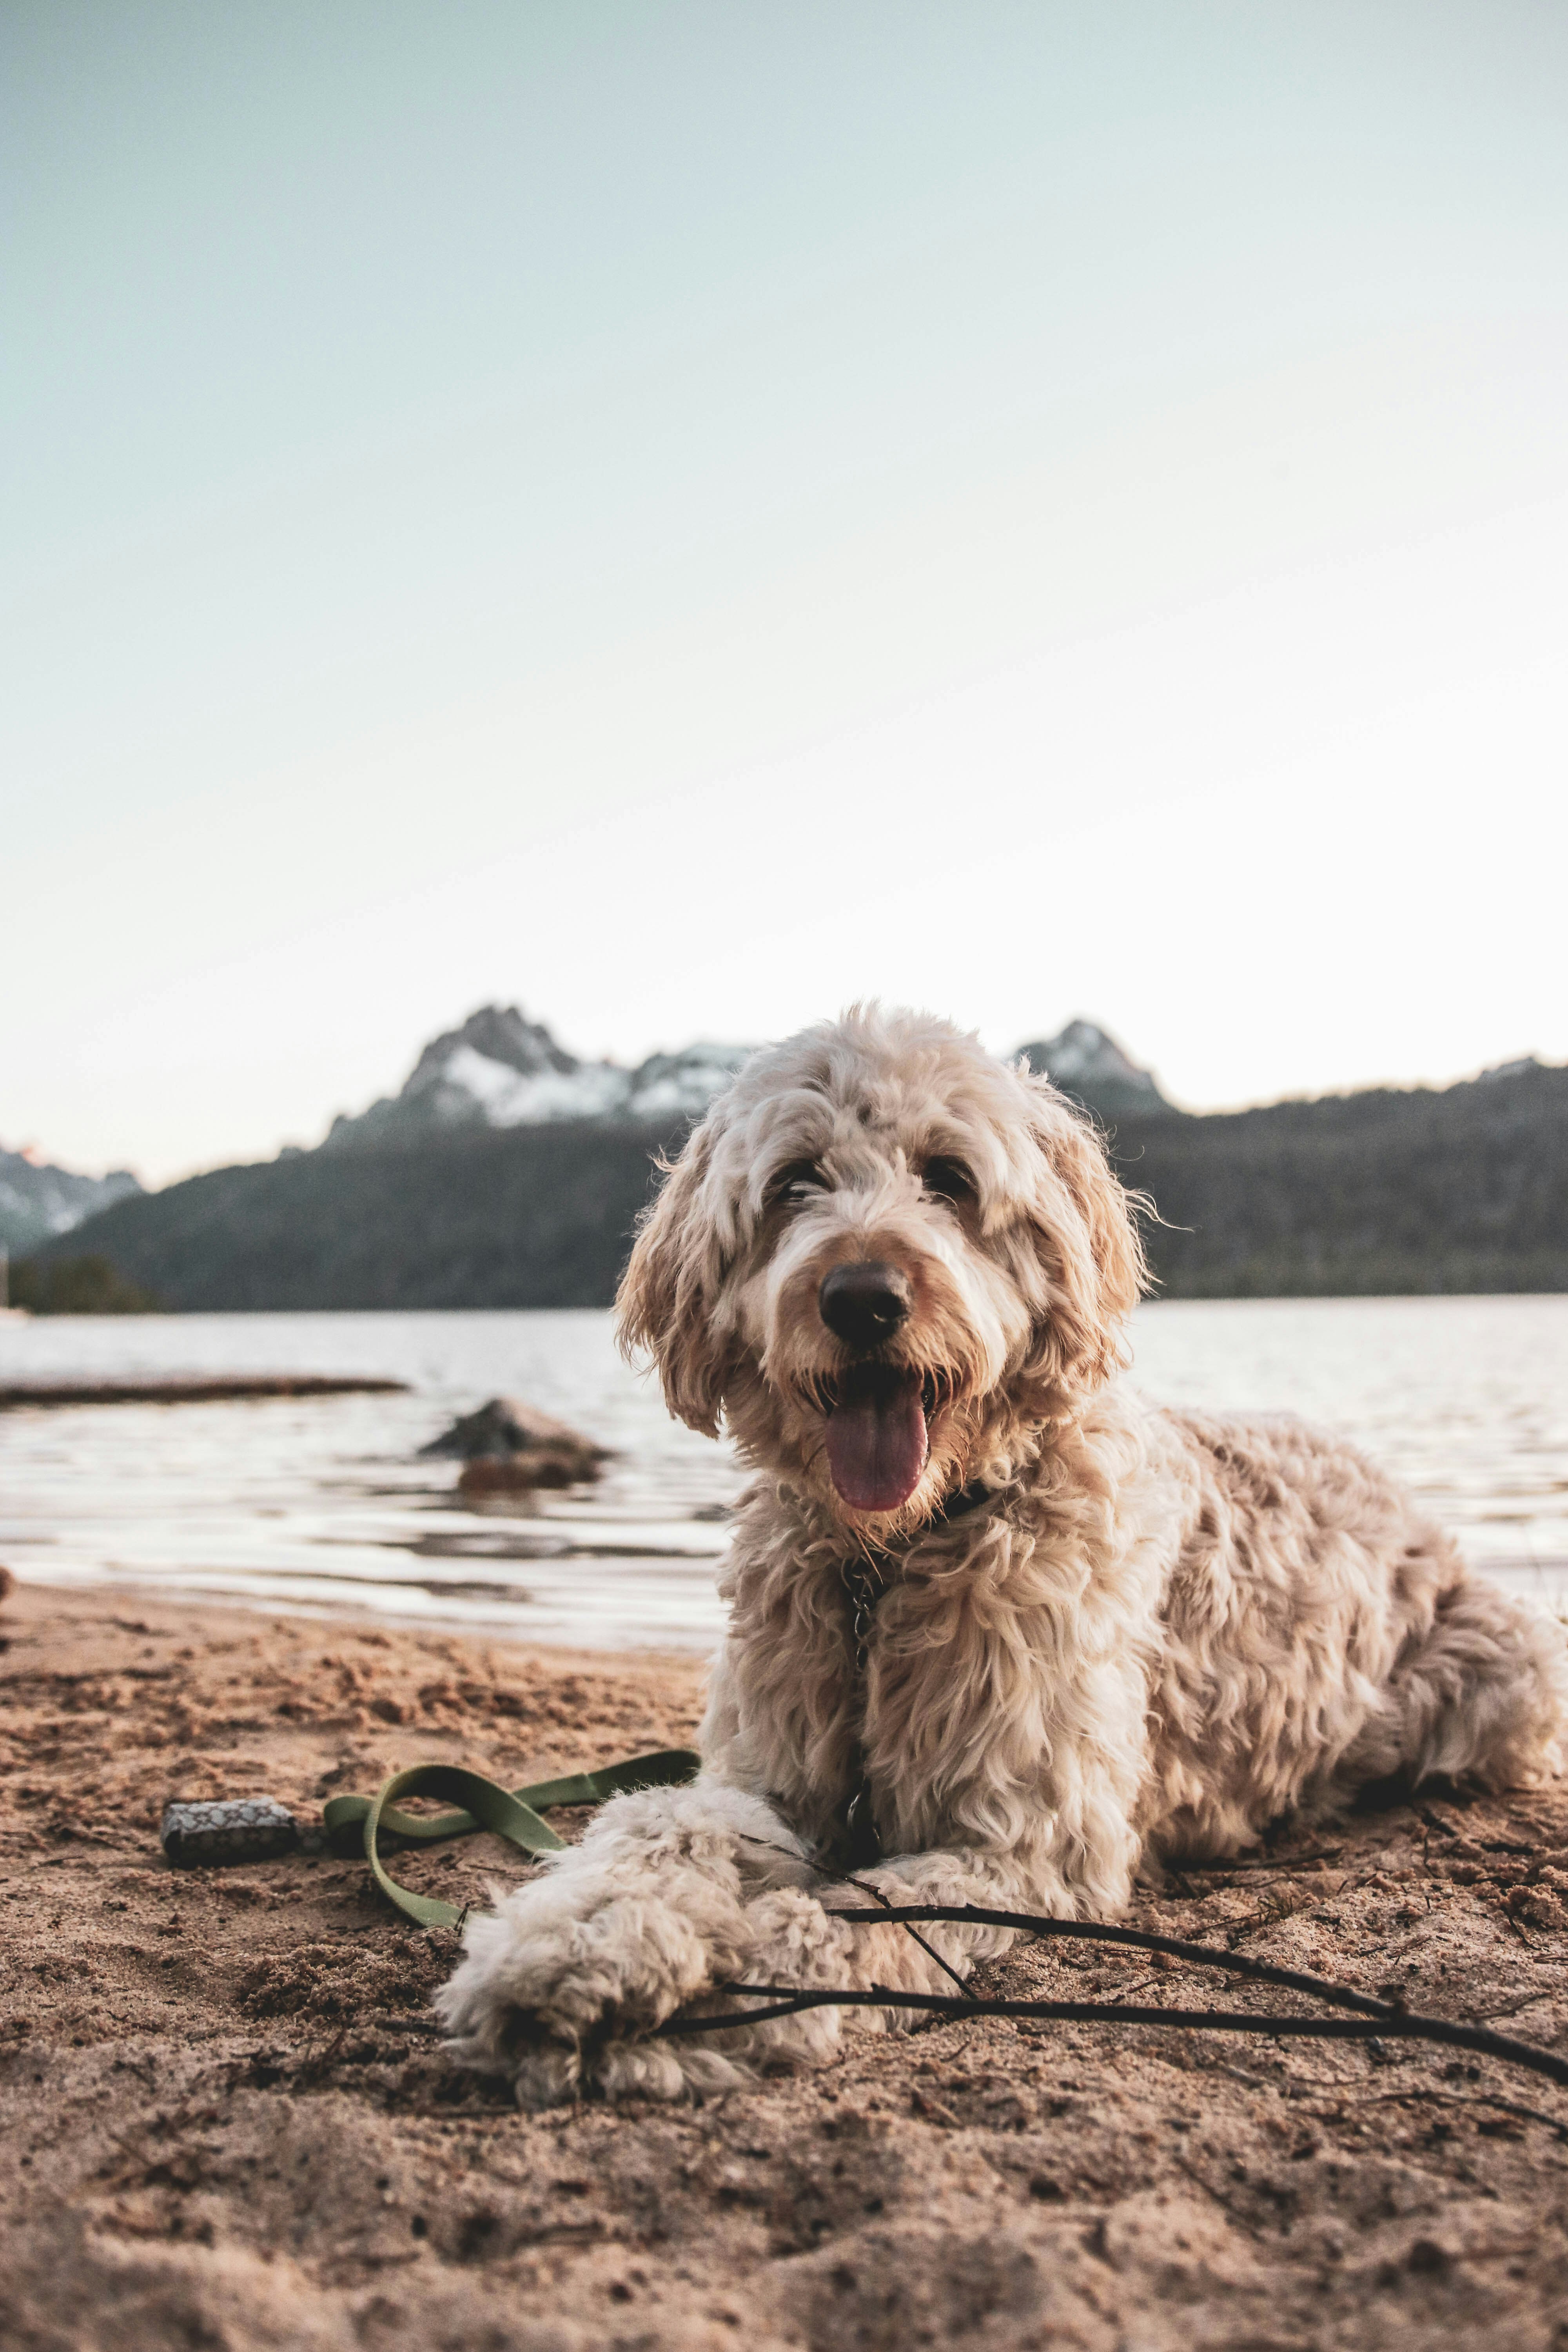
{"x":864,"y":1303}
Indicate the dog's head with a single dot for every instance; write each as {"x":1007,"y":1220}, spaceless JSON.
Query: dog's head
{"x":890,"y":1260}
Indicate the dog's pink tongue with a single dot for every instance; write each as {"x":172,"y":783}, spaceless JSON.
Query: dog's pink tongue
{"x":877,"y":1447}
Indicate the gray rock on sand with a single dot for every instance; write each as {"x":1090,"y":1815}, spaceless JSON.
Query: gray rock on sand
{"x":506,"y":1443}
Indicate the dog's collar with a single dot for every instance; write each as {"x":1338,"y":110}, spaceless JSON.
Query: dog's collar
{"x":890,"y":1557}
{"x":959,"y":1506}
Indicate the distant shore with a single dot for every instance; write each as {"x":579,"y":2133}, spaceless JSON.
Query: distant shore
{"x":1380,"y":1194}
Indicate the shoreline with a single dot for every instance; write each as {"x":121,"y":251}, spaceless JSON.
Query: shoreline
{"x":329,"y":1616}
{"x":230,"y":2120}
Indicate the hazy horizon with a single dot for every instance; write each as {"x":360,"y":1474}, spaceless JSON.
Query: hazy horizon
{"x":683,"y":518}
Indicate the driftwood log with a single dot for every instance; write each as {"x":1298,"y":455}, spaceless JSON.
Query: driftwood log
{"x":198,"y":1389}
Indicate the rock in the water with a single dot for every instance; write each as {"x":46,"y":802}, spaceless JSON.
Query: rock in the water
{"x":508,"y":1430}
{"x":7,"y":1581}
{"x":519,"y":1473}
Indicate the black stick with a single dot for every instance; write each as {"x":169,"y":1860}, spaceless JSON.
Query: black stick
{"x":1403,"y":2025}
{"x":1374,"y":2020}
{"x":1093,"y":1931}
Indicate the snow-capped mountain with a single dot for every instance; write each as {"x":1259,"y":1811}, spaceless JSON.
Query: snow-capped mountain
{"x":38,"y":1202}
{"x":1087,"y":1063}
{"x":501,"y":1069}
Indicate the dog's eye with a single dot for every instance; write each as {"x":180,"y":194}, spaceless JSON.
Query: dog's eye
{"x":802,"y":1181}
{"x":948,"y":1179}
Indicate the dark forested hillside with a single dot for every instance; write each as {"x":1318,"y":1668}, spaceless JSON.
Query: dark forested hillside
{"x":533,"y":1216}
{"x":1466,"y":1189}
{"x":1462,"y":1190}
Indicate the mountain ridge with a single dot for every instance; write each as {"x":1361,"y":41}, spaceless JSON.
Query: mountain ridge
{"x":1093,"y":1068}
{"x":39,"y":1202}
{"x":499,"y":1069}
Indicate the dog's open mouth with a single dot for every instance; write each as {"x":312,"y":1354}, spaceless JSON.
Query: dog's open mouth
{"x":877,"y":1436}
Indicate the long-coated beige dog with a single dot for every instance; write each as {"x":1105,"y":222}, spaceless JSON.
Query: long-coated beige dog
{"x":998,"y":1628}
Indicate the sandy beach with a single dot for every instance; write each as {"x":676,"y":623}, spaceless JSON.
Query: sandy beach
{"x":230,"y":2125}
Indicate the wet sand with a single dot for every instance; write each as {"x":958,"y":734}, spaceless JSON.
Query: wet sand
{"x":229,"y":2123}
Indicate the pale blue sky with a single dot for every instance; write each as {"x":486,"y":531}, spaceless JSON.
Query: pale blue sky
{"x":684,"y":515}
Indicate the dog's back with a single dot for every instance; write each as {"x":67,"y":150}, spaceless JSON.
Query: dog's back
{"x":1322,"y":1632}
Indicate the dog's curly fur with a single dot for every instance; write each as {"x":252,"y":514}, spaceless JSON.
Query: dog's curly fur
{"x":1157,"y":1632}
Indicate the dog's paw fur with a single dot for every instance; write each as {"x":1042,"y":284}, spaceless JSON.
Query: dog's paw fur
{"x":561,"y":1984}
{"x":550,"y":1965}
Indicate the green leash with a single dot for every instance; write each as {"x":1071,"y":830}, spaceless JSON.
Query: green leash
{"x":511,"y":1813}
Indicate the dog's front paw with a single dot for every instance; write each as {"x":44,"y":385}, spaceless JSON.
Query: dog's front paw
{"x":563,"y":1968}
{"x":783,"y":1939}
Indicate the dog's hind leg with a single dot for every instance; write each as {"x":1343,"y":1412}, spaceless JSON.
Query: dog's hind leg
{"x":1480,"y":1694}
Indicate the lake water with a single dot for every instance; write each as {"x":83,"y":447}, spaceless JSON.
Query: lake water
{"x":322,"y":1505}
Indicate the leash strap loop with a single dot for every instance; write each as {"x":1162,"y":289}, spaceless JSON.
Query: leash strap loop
{"x":511,"y":1813}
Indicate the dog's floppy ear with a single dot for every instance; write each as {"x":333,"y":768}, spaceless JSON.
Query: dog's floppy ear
{"x":667,"y":1294}
{"x":1088,"y":1248}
